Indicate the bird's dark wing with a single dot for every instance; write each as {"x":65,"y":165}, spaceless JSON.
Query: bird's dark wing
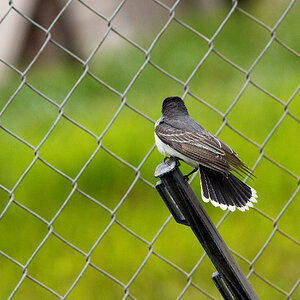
{"x":204,"y":148}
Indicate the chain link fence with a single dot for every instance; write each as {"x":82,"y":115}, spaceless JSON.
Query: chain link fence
{"x":62,"y":238}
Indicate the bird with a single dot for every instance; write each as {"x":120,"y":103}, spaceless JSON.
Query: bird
{"x":179,"y":136}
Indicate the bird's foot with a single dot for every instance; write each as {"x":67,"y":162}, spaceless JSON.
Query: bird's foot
{"x":172,"y":158}
{"x":186,"y":177}
{"x":166,"y":158}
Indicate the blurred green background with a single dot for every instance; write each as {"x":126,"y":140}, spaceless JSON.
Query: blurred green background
{"x":130,"y":137}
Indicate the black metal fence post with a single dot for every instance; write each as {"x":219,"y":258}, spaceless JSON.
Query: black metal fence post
{"x":187,"y":209}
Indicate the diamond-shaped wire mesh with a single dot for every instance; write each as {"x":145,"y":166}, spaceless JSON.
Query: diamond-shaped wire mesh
{"x":79,"y":215}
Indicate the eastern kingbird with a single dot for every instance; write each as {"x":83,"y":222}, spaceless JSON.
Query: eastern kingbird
{"x":178,"y":135}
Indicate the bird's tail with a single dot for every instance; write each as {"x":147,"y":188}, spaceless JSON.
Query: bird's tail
{"x":225,"y":190}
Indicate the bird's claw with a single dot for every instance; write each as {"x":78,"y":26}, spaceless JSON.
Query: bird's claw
{"x":186,"y":177}
{"x":172,"y":158}
{"x":166,"y":159}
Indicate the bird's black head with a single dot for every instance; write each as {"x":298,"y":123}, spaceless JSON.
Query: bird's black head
{"x":174,"y":106}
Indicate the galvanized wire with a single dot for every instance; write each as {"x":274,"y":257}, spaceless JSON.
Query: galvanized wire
{"x":126,"y":286}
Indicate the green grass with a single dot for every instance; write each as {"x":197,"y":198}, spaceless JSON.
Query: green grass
{"x":107,"y":180}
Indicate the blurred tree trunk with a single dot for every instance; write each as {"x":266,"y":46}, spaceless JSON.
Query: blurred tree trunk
{"x":43,"y":13}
